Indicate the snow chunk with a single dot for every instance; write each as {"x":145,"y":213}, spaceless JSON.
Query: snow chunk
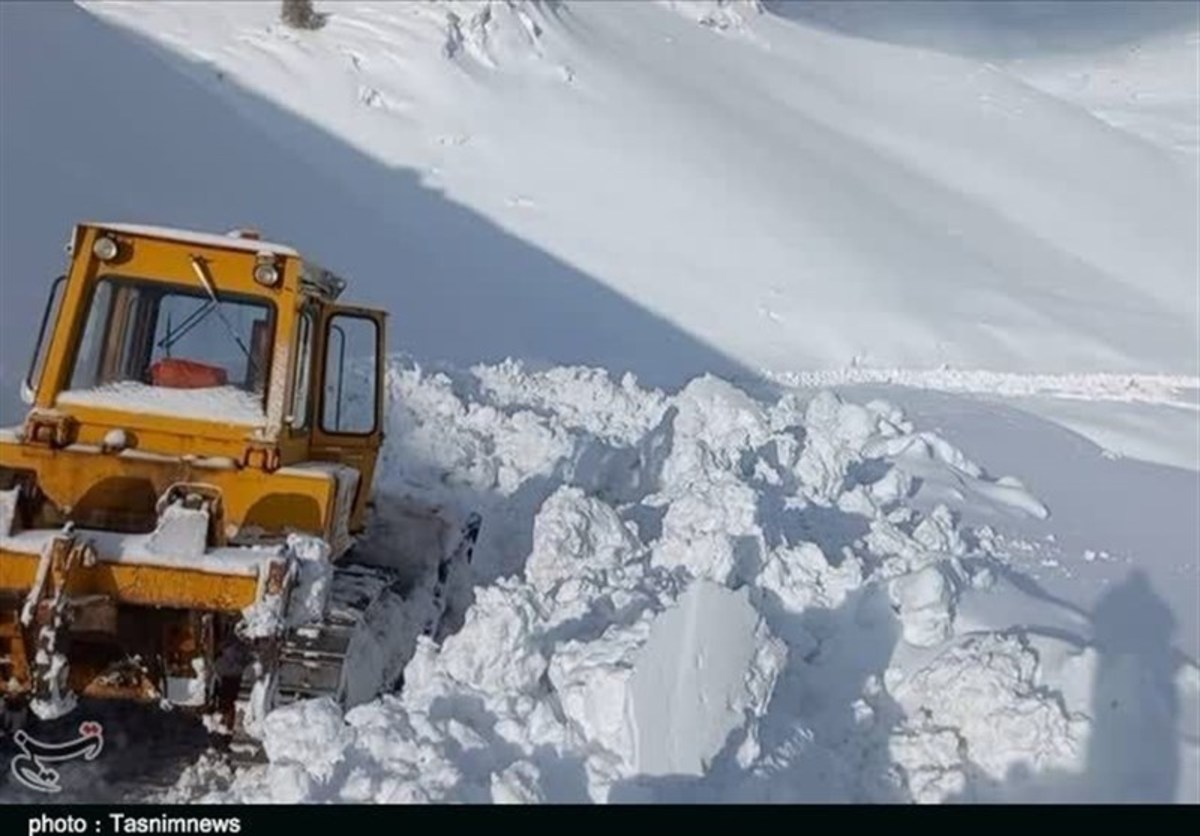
{"x":314,"y":576}
{"x":925,"y":601}
{"x":714,"y":425}
{"x":114,"y":441}
{"x":181,"y":534}
{"x":581,"y":398}
{"x":593,"y":682}
{"x":712,"y":532}
{"x":938,"y":532}
{"x":307,"y":596}
{"x":836,"y":433}
{"x":802,"y":577}
{"x":58,"y":701}
{"x":980,"y":705}
{"x":489,"y":31}
{"x":708,"y":665}
{"x":265,"y":617}
{"x":519,"y":783}
{"x":308,"y":733}
{"x":584,"y":557}
{"x":494,"y":651}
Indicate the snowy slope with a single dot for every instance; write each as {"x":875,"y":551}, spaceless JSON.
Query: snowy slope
{"x":1131,"y":63}
{"x":1133,"y":87}
{"x":826,"y":199}
{"x":933,"y":590}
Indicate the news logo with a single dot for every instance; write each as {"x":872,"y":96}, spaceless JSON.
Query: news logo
{"x":31,"y":766}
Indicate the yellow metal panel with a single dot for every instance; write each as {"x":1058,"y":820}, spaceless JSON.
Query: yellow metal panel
{"x":302,"y":500}
{"x":138,"y":584}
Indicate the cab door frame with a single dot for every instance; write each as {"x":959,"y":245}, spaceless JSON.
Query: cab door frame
{"x":358,"y":450}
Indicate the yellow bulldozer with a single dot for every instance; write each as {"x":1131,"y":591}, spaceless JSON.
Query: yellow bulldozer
{"x":180,"y":509}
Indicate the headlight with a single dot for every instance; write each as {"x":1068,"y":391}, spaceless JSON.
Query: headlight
{"x":265,"y":271}
{"x":105,"y":249}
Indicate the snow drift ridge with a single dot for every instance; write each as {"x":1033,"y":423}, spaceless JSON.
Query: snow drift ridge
{"x":757,"y":567}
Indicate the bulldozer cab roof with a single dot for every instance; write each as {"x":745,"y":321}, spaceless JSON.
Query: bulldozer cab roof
{"x":236,"y":240}
{"x":314,"y":279}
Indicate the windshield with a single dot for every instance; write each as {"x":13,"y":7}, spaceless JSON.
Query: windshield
{"x":149,"y":344}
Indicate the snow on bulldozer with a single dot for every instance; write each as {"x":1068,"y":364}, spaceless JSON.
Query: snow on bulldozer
{"x":180,"y":509}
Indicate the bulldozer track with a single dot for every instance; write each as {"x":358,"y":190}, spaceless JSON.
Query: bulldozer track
{"x":312,"y":658}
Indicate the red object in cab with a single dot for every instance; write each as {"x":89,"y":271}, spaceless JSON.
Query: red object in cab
{"x":174,"y":373}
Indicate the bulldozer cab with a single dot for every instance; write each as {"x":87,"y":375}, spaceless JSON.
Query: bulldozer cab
{"x":179,"y":343}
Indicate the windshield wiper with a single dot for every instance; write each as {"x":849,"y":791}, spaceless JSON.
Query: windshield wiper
{"x":209,"y":285}
{"x":190,"y":321}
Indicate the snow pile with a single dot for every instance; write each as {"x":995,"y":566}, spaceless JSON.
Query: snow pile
{"x":234,"y":405}
{"x":979,"y":706}
{"x":657,"y":573}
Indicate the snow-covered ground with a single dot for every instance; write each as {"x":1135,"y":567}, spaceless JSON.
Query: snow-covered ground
{"x":971,"y":574}
{"x":708,"y":596}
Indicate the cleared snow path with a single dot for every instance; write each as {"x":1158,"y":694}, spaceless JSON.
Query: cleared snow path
{"x":1160,"y":389}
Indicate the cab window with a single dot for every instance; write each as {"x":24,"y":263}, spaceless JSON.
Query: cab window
{"x":157,"y":338}
{"x":303,"y":376}
{"x":349,"y":398}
